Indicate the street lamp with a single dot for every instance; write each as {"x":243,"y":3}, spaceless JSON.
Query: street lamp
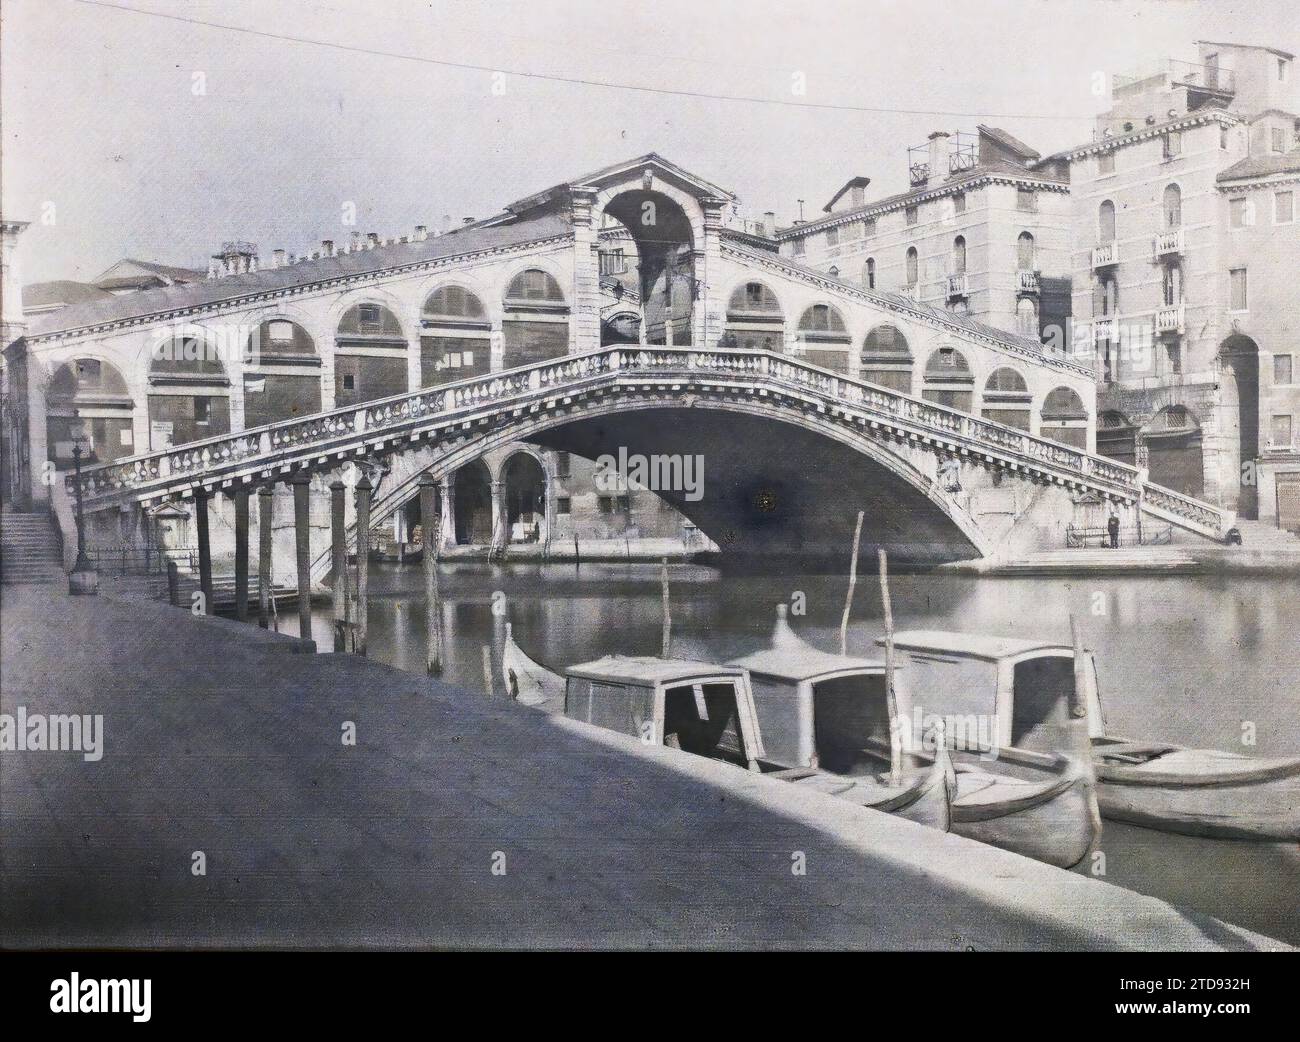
{"x":83,"y":580}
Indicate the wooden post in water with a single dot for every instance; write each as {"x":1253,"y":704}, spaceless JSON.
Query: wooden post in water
{"x":853,"y":582}
{"x":205,"y":547}
{"x":265,"y":496}
{"x":891,"y":698}
{"x":1078,"y":724}
{"x":364,"y":488}
{"x":241,"y":553}
{"x":487,"y":671}
{"x":666,"y":647}
{"x":302,"y":544}
{"x":339,"y":562}
{"x":429,"y":525}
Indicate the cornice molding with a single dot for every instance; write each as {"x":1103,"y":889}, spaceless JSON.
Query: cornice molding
{"x":1193,"y":120}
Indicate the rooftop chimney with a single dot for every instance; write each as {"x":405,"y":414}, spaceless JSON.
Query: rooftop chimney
{"x":939,"y":150}
{"x":373,"y":239}
{"x":421,"y":232}
{"x":277,"y":258}
{"x":769,"y":222}
{"x":327,"y":247}
{"x":466,"y":220}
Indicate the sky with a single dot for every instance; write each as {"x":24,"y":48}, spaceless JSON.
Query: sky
{"x":131,"y":135}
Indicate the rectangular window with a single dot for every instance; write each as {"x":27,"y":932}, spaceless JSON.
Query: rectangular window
{"x":203,"y":410}
{"x":1279,"y":140}
{"x":869,"y":226}
{"x":562,"y":464}
{"x":1026,"y":199}
{"x":1223,"y":136}
{"x":832,"y":236}
{"x":1237,"y":296}
{"x":1282,"y":430}
{"x":368,"y":318}
{"x":1173,"y":144}
{"x":562,"y":505}
{"x":1239,"y":212}
{"x":1283,"y":207}
{"x":910,"y":215}
{"x":959,"y":203}
{"x":605,"y":504}
{"x":349,"y":382}
{"x":1105,"y":164}
{"x":613,"y":262}
{"x":89,"y":373}
{"x":799,"y":247}
{"x":280,"y":332}
{"x":624,"y":504}
{"x":1282,"y":369}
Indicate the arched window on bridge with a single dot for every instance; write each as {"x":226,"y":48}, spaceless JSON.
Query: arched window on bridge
{"x":535,"y":325}
{"x":1116,"y":437}
{"x":886,"y":359}
{"x":1064,"y":418}
{"x":1007,"y":399}
{"x":1174,"y":450}
{"x":455,"y":337}
{"x":281,"y":373}
{"x":189,"y":392}
{"x":755,"y":321}
{"x":369,"y":355}
{"x":825,"y":338}
{"x":949,"y":380}
{"x":90,"y":394}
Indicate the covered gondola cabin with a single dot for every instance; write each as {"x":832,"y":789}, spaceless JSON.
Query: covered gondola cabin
{"x":698,"y":707}
{"x":818,"y":709}
{"x":1018,"y":692}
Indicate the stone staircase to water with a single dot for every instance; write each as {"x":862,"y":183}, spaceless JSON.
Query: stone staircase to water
{"x":29,"y":550}
{"x":1260,"y":535}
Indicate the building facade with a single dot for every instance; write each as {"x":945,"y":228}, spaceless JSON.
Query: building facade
{"x":1185,"y":249}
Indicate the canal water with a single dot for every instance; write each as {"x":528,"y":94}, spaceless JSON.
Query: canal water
{"x":1198,"y":661}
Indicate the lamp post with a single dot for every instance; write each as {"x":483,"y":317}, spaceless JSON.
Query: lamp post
{"x":83,"y":580}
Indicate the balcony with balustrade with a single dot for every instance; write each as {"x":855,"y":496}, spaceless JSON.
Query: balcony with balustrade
{"x":1168,"y":244}
{"x":958,"y":286}
{"x":1170,"y":320}
{"x":1026,"y":281}
{"x":1105,"y":256}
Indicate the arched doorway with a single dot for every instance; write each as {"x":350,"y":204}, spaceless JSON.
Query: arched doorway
{"x":1174,"y":454}
{"x":1239,"y":405}
{"x":473,"y":485}
{"x":661,"y":232}
{"x":525,"y":494}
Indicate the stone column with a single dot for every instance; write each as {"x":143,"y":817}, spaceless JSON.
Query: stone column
{"x":205,"y":546}
{"x":448,"y":534}
{"x":432,"y":607}
{"x":241,"y":553}
{"x":339,"y":537}
{"x":301,"y":483}
{"x":500,"y":531}
{"x":584,"y":321}
{"x":708,"y":314}
{"x":265,"y":497}
{"x":364,"y":488}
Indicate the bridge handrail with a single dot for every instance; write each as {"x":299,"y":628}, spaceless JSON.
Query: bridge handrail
{"x":557,"y":375}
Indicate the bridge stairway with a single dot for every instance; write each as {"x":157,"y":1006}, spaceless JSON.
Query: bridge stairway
{"x":30,"y":551}
{"x":1260,"y":535}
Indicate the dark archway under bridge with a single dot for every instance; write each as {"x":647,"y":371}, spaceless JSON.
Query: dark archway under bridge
{"x":777,"y":493}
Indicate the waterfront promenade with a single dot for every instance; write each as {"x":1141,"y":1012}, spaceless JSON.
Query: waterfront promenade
{"x":219,"y":739}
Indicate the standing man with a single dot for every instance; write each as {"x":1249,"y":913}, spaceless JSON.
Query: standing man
{"x":1112,"y":526}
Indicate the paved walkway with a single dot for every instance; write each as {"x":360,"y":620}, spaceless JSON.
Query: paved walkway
{"x":219,"y":739}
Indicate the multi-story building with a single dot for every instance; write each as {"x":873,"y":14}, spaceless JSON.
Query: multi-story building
{"x":1185,"y":253}
{"x":983,"y":231}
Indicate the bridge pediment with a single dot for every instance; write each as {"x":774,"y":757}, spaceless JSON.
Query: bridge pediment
{"x":643,"y":172}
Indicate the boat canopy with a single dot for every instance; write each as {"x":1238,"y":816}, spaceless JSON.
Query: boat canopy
{"x":648,"y":671}
{"x":973,"y":645}
{"x":790,"y":657}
